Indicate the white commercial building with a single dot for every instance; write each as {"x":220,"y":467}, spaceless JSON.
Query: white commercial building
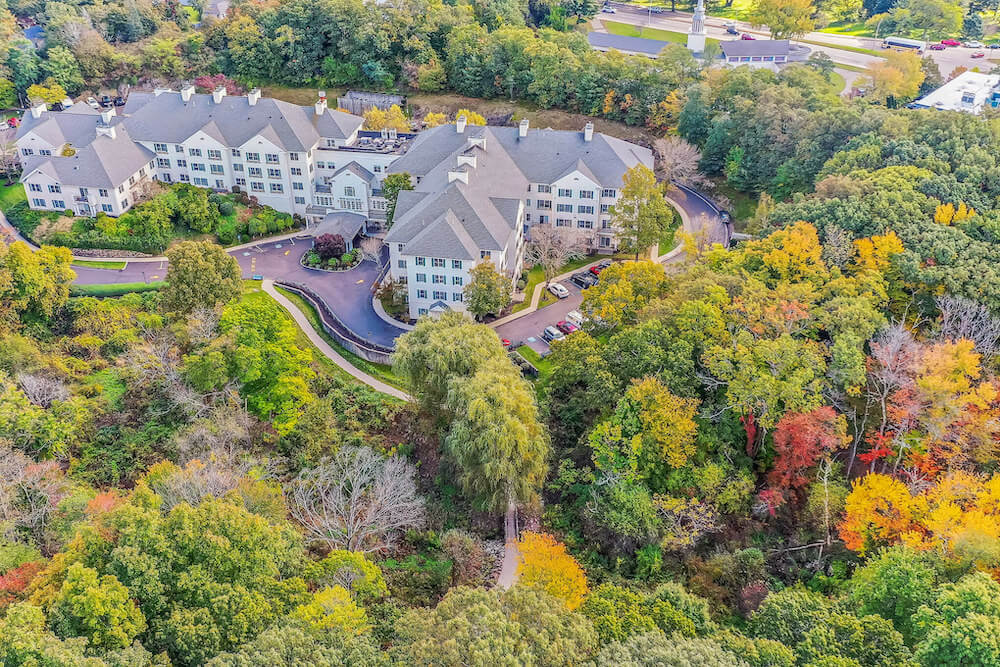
{"x":970,"y":92}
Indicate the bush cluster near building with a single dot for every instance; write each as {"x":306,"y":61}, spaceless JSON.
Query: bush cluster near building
{"x":171,"y":213}
{"x":330,"y":252}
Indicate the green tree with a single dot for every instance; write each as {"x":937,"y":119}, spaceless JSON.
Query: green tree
{"x":969,"y":640}
{"x":62,"y":68}
{"x":488,"y":291}
{"x":580,"y":389}
{"x":8,"y":94}
{"x":194,"y":210}
{"x":98,"y":608}
{"x":786,"y":19}
{"x":24,"y":640}
{"x":496,"y":439}
{"x":258,"y":349}
{"x":641,"y":214}
{"x":938,"y":18}
{"x":656,"y":648}
{"x":893,"y":584}
{"x":975,"y":593}
{"x":475,"y":626}
{"x":871,"y":640}
{"x":292,"y":644}
{"x":33,"y":282}
{"x":625,"y":289}
{"x":200,"y":275}
{"x":437,"y":351}
{"x":391,"y":187}
{"x":618,"y":613}
{"x":788,"y":615}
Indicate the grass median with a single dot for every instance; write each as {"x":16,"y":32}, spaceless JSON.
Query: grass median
{"x":113,"y":265}
{"x":379,"y":371}
{"x":116,"y":289}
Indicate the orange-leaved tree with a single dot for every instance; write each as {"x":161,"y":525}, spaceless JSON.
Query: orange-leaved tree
{"x":545,"y":565}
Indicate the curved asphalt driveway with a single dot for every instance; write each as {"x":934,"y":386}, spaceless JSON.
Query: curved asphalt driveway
{"x":349,"y":293}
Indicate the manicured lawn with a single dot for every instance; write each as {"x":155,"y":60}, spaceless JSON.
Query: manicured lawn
{"x":629,"y":30}
{"x":98,"y":264}
{"x":856,"y":28}
{"x":10,"y":195}
{"x":380,"y":371}
{"x":844,"y":47}
{"x":536,"y":276}
{"x":114,"y":290}
{"x":837,"y":82}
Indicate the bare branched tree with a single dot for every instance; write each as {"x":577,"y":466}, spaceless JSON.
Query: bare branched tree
{"x":202,"y":323}
{"x":42,"y":390}
{"x":223,"y":433}
{"x":552,"y":249}
{"x":214,"y":477}
{"x":371,"y":248}
{"x":964,"y":318}
{"x":29,"y":493}
{"x":357,"y":500}
{"x":677,"y":160}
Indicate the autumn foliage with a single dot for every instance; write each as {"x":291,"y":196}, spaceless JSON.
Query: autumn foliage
{"x":957,"y":515}
{"x":546,"y":565}
{"x":800,"y":441}
{"x":14,"y":582}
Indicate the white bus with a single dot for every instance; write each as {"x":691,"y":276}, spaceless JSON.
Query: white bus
{"x":903,"y":44}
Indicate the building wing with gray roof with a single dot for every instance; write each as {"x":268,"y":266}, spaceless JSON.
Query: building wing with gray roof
{"x":479,"y":189}
{"x":603,"y":41}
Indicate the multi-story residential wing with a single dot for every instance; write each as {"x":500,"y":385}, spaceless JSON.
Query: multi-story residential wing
{"x":467,"y":178}
{"x":82,"y":161}
{"x":306,"y":160}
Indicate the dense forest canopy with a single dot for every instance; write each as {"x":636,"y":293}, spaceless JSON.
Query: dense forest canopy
{"x":781,"y":453}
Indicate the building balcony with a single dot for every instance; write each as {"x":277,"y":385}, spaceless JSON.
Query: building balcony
{"x":82,"y":199}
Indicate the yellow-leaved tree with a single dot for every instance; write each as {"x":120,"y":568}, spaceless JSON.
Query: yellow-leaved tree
{"x":471,"y":117}
{"x":545,"y":565}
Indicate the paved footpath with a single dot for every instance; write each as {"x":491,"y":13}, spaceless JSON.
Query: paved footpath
{"x":325,"y":348}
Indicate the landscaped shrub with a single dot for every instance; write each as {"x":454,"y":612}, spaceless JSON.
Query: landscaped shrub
{"x":226,"y":208}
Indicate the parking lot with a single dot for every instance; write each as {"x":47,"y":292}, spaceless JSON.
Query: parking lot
{"x":527,"y":330}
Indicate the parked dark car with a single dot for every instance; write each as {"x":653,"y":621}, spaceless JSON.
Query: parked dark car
{"x":57,"y":106}
{"x":732,"y":30}
{"x":119,"y":101}
{"x":106,"y":101}
{"x":583,"y":280}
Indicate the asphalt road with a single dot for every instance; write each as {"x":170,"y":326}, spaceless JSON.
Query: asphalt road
{"x":947,"y":60}
{"x":528,"y":329}
{"x":347,"y":293}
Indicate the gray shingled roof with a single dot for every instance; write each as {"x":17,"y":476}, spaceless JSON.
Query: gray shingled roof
{"x":544,"y":156}
{"x":604,"y":40}
{"x":167,"y":118}
{"x":73,"y":126}
{"x":755,"y":47}
{"x":105,"y":162}
{"x":357,"y":170}
{"x":340,"y":222}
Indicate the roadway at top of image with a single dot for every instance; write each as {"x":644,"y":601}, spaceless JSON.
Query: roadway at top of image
{"x":947,"y":60}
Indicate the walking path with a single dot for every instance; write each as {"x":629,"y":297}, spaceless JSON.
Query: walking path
{"x":324,"y":347}
{"x":511,"y":554}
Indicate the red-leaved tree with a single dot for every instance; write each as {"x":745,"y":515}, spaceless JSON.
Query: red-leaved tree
{"x":210,"y":83}
{"x":801,"y":439}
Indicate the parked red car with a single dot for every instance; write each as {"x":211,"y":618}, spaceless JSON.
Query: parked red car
{"x":505,"y":342}
{"x":978,"y":54}
{"x":566,"y":327}
{"x":600,"y":266}
{"x":747,"y":37}
{"x":951,"y":42}
{"x":937,"y":47}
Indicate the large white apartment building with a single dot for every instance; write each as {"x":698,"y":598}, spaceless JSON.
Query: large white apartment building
{"x":305,"y":160}
{"x":478,"y":190}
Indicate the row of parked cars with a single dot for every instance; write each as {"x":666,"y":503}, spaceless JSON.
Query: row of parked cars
{"x":563,"y":328}
{"x":574,"y":320}
{"x":106,"y":102}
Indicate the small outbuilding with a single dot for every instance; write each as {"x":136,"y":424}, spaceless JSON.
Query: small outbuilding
{"x":757,"y":53}
{"x":635,"y":46}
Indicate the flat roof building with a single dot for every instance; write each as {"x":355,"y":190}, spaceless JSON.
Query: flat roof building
{"x":636,"y":46}
{"x":970,"y":92}
{"x":769,"y":53}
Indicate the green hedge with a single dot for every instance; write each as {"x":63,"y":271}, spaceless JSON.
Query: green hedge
{"x":115,"y":289}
